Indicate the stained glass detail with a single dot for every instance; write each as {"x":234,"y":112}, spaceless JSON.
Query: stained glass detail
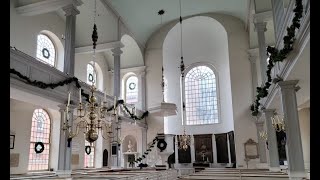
{"x":45,"y":50}
{"x":40,"y":132}
{"x":132,"y":90}
{"x":89,"y":159}
{"x":201,"y":96}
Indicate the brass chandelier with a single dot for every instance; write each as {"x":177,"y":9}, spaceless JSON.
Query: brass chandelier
{"x":184,"y":140}
{"x":278,"y":123}
{"x":93,"y":118}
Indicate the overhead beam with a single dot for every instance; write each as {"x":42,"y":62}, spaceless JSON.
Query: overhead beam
{"x":45,"y":7}
{"x":99,"y":47}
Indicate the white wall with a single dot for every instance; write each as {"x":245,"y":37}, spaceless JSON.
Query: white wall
{"x":24,"y":31}
{"x":240,"y":76}
{"x":204,"y":41}
{"x":80,"y":71}
{"x":20,"y":123}
{"x":304,"y":119}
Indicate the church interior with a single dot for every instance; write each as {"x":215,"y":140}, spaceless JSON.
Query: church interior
{"x":150,"y":89}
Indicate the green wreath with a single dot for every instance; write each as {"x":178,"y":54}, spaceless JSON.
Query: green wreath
{"x":132,"y":86}
{"x":87,"y":149}
{"x":45,"y":53}
{"x":38,"y":147}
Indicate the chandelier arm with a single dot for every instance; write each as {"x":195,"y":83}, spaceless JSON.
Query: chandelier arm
{"x":71,"y":134}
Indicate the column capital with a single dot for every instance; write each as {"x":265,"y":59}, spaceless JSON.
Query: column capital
{"x":116,"y":51}
{"x":62,"y":107}
{"x":291,"y":84}
{"x":259,"y":123}
{"x":260,"y":26}
{"x":70,"y":10}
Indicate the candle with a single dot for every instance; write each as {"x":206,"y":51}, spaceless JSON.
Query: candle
{"x":80,"y":95}
{"x":68,"y":99}
{"x":105,"y":96}
{"x":115,"y":102}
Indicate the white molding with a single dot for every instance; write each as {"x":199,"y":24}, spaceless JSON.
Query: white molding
{"x":45,"y":7}
{"x":253,"y":52}
{"x":100,"y":47}
{"x":262,"y":17}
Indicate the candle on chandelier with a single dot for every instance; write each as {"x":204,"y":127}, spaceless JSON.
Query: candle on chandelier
{"x":69,"y":99}
{"x":80,"y":95}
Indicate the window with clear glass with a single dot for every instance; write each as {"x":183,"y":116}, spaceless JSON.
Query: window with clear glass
{"x":46,"y":51}
{"x":91,"y":74}
{"x":40,"y":132}
{"x":132,"y":90}
{"x":89,"y":159}
{"x":201,"y":100}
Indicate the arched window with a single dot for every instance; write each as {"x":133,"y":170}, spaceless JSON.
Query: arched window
{"x":132,"y":90}
{"x":46,"y":51}
{"x":40,"y":132}
{"x":91,"y":74}
{"x":89,"y":159}
{"x":201,"y":101}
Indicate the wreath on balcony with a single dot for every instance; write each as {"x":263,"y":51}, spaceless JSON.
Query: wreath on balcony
{"x":87,"y":149}
{"x":162,"y":144}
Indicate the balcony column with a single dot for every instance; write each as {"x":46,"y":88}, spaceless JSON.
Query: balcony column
{"x":293,"y":136}
{"x":70,"y":34}
{"x":64,"y":160}
{"x":260,"y":27}
{"x":274,"y":164}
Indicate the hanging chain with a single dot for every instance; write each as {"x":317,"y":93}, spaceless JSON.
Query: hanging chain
{"x":181,"y":63}
{"x":94,"y":39}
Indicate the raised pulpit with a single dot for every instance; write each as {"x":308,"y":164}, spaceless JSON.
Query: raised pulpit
{"x":128,"y":158}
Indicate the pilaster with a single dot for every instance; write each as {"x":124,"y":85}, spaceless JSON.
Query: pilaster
{"x":261,"y":142}
{"x":272,"y":141}
{"x":295,"y":160}
{"x":260,"y":28}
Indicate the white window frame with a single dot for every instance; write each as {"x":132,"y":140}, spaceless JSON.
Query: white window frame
{"x":183,"y":99}
{"x":55,"y":51}
{"x":125,"y":87}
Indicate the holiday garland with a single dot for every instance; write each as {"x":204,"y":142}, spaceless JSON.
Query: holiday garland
{"x":43,"y":85}
{"x":147,"y":151}
{"x":278,"y":56}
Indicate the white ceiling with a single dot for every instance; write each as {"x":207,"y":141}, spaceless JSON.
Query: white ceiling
{"x":142,"y":15}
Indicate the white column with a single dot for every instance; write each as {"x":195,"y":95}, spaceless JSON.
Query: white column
{"x":142,"y":89}
{"x":192,"y":150}
{"x":63,"y":140}
{"x":272,"y":141}
{"x":293,"y":135}
{"x":254,"y":75}
{"x":260,"y":27}
{"x":64,"y":161}
{"x":176,"y":149}
{"x":229,"y":152}
{"x":70,"y":34}
{"x":116,"y":71}
{"x":214,"y":149}
{"x":261,"y":142}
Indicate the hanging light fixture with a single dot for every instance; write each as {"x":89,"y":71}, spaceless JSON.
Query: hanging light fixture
{"x":184,"y":139}
{"x":92,"y":117}
{"x":165,"y":109}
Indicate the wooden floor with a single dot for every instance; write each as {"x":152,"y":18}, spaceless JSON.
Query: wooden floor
{"x":236,"y":174}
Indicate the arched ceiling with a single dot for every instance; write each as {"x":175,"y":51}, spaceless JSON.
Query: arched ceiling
{"x":143,"y":19}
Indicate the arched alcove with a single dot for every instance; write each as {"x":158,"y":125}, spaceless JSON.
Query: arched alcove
{"x":125,"y":143}
{"x":204,"y":42}
{"x":131,"y":56}
{"x":59,"y":48}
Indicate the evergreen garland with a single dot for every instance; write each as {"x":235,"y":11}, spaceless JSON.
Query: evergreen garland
{"x":278,"y":56}
{"x":43,"y":85}
{"x":139,"y":159}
